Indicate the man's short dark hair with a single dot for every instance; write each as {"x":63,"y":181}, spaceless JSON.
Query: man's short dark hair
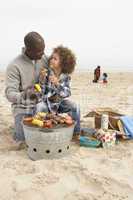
{"x":33,"y":40}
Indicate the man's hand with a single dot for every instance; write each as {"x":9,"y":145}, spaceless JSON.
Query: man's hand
{"x":29,"y":93}
{"x":54,"y":80}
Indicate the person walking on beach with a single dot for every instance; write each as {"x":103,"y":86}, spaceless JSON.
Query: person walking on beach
{"x":21,"y":73}
{"x":97,"y":73}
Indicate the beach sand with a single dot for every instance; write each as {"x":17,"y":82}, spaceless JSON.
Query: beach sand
{"x":86,"y":174}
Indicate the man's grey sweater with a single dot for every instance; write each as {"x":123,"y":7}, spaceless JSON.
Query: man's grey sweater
{"x":20,"y":74}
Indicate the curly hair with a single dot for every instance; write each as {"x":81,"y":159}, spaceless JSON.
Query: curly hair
{"x":67,"y":59}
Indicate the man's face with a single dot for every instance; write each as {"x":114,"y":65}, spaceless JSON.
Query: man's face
{"x":36,"y":53}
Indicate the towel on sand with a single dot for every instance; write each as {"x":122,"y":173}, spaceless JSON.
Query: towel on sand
{"x":128,"y":125}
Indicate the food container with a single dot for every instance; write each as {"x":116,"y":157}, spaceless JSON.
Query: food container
{"x":48,"y":143}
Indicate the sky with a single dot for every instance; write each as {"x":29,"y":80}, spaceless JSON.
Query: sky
{"x":99,"y":32}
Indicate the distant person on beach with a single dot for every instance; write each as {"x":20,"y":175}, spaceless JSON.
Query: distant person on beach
{"x":21,"y":74}
{"x":97,"y":73}
{"x":104,"y":77}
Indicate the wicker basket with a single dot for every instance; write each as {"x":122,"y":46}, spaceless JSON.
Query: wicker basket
{"x":48,"y":143}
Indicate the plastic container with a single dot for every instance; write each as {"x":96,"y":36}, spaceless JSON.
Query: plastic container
{"x":104,"y":122}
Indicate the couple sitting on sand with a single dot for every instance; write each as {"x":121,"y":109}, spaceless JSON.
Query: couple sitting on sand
{"x":53,"y":74}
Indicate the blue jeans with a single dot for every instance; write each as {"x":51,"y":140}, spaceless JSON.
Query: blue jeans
{"x":19,"y":132}
{"x":66,"y":106}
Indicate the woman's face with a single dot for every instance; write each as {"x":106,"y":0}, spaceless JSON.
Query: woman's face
{"x":55,"y":61}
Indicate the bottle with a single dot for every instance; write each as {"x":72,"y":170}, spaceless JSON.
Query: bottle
{"x":104,"y":121}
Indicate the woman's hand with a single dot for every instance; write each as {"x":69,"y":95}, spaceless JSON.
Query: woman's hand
{"x":53,"y":79}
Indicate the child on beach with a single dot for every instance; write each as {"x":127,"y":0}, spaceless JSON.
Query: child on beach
{"x":55,"y":84}
{"x":104,"y":77}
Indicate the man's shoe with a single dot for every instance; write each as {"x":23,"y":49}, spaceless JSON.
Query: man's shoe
{"x":17,"y":146}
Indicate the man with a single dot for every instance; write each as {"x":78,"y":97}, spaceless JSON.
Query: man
{"x":97,"y":74}
{"x":21,"y":73}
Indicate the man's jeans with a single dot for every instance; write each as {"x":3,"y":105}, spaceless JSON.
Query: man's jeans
{"x":19,"y":132}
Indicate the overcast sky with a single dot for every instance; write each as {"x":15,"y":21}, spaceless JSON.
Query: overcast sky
{"x":100,"y":32}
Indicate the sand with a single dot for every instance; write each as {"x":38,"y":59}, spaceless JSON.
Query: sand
{"x":86,"y":174}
